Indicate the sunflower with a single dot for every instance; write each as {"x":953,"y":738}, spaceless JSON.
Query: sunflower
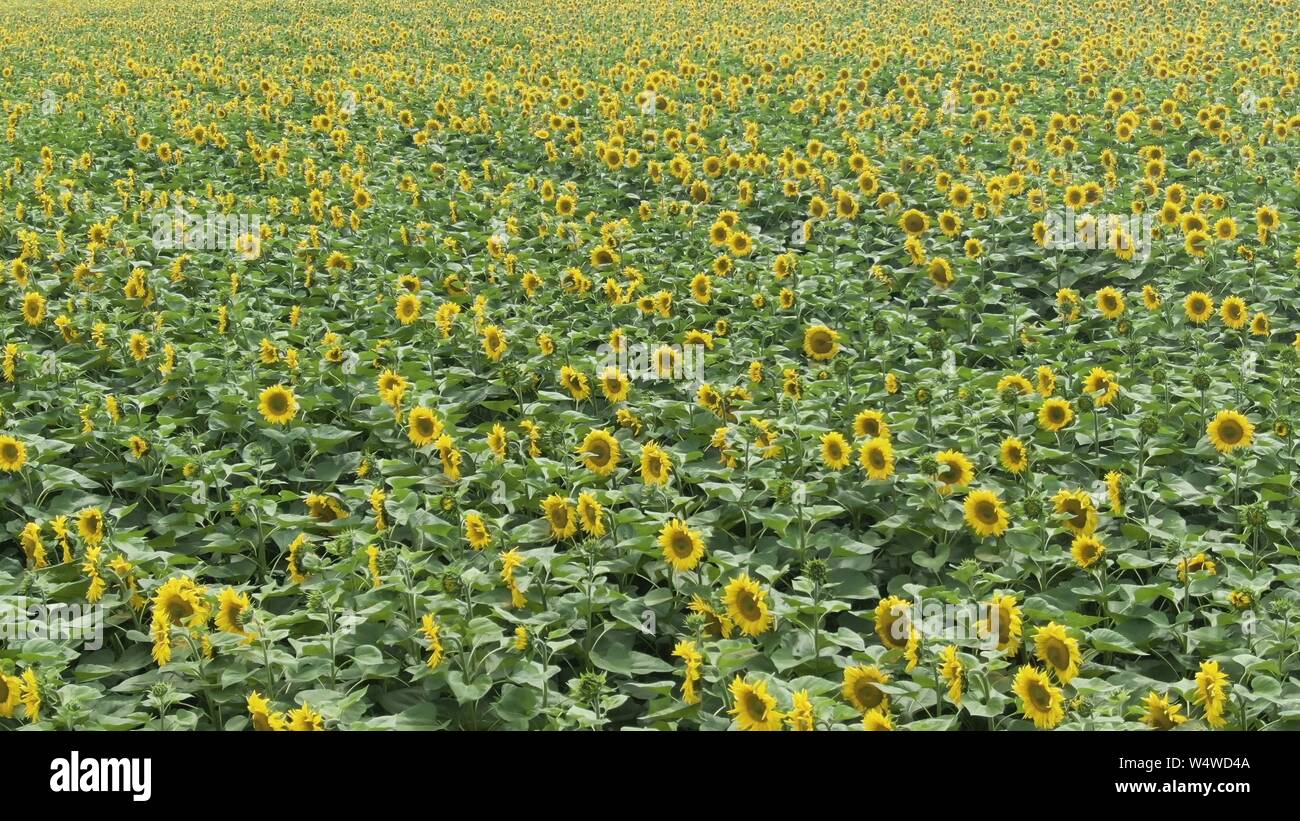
{"x":1055,"y":414}
{"x":494,"y":342}
{"x":985,"y":514}
{"x":10,"y":689}
{"x":575,"y":382}
{"x":953,"y":671}
{"x":1087,"y":550}
{"x":687,"y":652}
{"x":591,"y":515}
{"x":1160,"y":714}
{"x":33,"y":308}
{"x":261,"y":716}
{"x":90,"y":524}
{"x":1199,"y":307}
{"x":1195,"y":243}
{"x":408,"y":308}
{"x":914,"y":222}
{"x":716,"y":625}
{"x":754,"y":708}
{"x":869,"y":424}
{"x":954,"y":470}
{"x":1198,"y":563}
{"x":1212,"y":693}
{"x":1234,"y":312}
{"x":1039,"y":699}
{"x":683,"y":548}
{"x":860,"y":689}
{"x":1260,"y":324}
{"x":231,"y":610}
{"x":599,"y":451}
{"x":1004,"y":621}
{"x":560,"y":515}
{"x":656,"y":466}
{"x":893,"y":622}
{"x":877,"y":457}
{"x":13,"y":454}
{"x":1078,"y":509}
{"x":835,"y":450}
{"x":614,"y":384}
{"x":820,"y":343}
{"x":423,"y":427}
{"x":1058,"y":651}
{"x":877,"y":720}
{"x":940,"y":272}
{"x":139,"y":345}
{"x":1013,"y":455}
{"x":1110,"y":302}
{"x":740,"y":243}
{"x":1102,"y":382}
{"x":1016,"y":382}
{"x":305,"y":719}
{"x":1115,"y":492}
{"x":1151,"y":297}
{"x":278,"y":405}
{"x":1230,"y":430}
{"x":180,"y":601}
{"x":497,"y":441}
{"x":476,"y":531}
{"x":802,"y":717}
{"x":747,"y":605}
{"x":433,"y":632}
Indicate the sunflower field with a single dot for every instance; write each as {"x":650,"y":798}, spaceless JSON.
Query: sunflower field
{"x":559,"y":364}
